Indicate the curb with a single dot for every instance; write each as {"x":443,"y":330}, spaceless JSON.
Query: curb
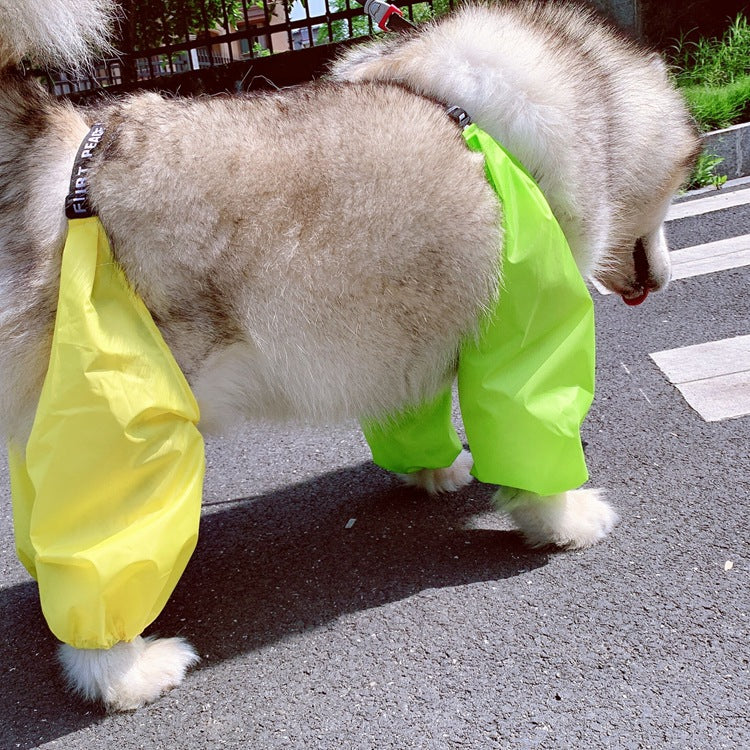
{"x":729,"y":186}
{"x":733,"y":146}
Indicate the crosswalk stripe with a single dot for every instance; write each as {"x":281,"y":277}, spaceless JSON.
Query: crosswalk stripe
{"x":717,"y":202}
{"x":714,"y":377}
{"x":720,"y":255}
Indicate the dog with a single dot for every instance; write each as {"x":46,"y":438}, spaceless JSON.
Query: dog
{"x":261,"y":231}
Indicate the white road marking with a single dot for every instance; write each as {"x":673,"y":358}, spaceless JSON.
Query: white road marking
{"x":714,"y":377}
{"x":717,"y":202}
{"x":720,"y":255}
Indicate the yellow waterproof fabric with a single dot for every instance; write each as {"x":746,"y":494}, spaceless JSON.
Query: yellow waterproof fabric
{"x":107,"y":493}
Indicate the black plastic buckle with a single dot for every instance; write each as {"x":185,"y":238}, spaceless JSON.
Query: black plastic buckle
{"x":459,"y":115}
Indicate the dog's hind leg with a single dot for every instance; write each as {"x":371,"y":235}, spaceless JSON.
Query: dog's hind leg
{"x":571,"y":520}
{"x":128,"y":675}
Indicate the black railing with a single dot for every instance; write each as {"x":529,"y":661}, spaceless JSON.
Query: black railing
{"x":225,"y":40}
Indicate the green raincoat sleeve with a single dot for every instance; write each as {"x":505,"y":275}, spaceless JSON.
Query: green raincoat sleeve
{"x":107,"y":491}
{"x":526,"y":384}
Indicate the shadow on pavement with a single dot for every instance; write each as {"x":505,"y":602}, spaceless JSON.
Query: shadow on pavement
{"x":272,"y":566}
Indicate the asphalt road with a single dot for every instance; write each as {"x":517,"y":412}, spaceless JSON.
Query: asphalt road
{"x":428,"y":623}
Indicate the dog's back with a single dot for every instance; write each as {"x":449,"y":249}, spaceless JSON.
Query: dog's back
{"x":323,"y":252}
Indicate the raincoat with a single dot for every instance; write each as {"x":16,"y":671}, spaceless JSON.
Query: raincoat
{"x":526,"y":384}
{"x":107,"y":491}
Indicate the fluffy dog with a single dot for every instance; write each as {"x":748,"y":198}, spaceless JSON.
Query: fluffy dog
{"x":253,"y":227}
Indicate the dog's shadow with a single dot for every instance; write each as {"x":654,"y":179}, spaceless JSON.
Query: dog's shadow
{"x":272,"y":566}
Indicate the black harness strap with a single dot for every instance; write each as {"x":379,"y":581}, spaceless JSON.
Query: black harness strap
{"x":77,"y":203}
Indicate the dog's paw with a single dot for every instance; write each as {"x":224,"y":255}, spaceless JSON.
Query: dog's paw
{"x":128,"y":675}
{"x":572,"y":520}
{"x":450,"y":479}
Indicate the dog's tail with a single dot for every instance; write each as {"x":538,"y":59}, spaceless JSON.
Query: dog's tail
{"x":63,"y":33}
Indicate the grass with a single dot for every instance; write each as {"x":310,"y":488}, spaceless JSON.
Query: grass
{"x":721,"y":106}
{"x":705,"y":173}
{"x":714,"y":75}
{"x":713,"y":62}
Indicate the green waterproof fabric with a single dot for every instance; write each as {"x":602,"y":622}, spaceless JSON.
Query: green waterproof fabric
{"x":527,"y":383}
{"x":107,"y":491}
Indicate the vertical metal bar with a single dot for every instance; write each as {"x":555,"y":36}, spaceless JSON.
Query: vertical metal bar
{"x":227,"y":30}
{"x":329,"y":23}
{"x":127,"y":31}
{"x":269,"y":35}
{"x":167,"y":38}
{"x":349,"y":22}
{"x":248,"y":38}
{"x":207,"y":36}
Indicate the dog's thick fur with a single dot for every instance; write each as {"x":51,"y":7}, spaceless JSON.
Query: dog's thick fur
{"x":322,"y":252}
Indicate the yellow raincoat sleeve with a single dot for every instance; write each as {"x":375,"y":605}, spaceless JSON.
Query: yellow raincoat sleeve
{"x":107,"y":493}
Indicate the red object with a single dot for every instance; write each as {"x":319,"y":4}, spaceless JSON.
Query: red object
{"x":383,"y":25}
{"x":633,"y":301}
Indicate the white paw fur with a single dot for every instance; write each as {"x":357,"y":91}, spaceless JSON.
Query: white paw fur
{"x":572,"y":520}
{"x":449,"y":479}
{"x":129,"y":674}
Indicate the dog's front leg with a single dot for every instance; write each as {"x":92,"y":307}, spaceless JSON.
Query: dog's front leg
{"x":571,"y":520}
{"x":449,"y":479}
{"x":128,"y":675}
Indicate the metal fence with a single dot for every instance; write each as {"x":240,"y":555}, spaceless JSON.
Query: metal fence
{"x":223,"y":40}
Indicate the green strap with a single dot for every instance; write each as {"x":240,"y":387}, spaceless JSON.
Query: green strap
{"x":526,"y":385}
